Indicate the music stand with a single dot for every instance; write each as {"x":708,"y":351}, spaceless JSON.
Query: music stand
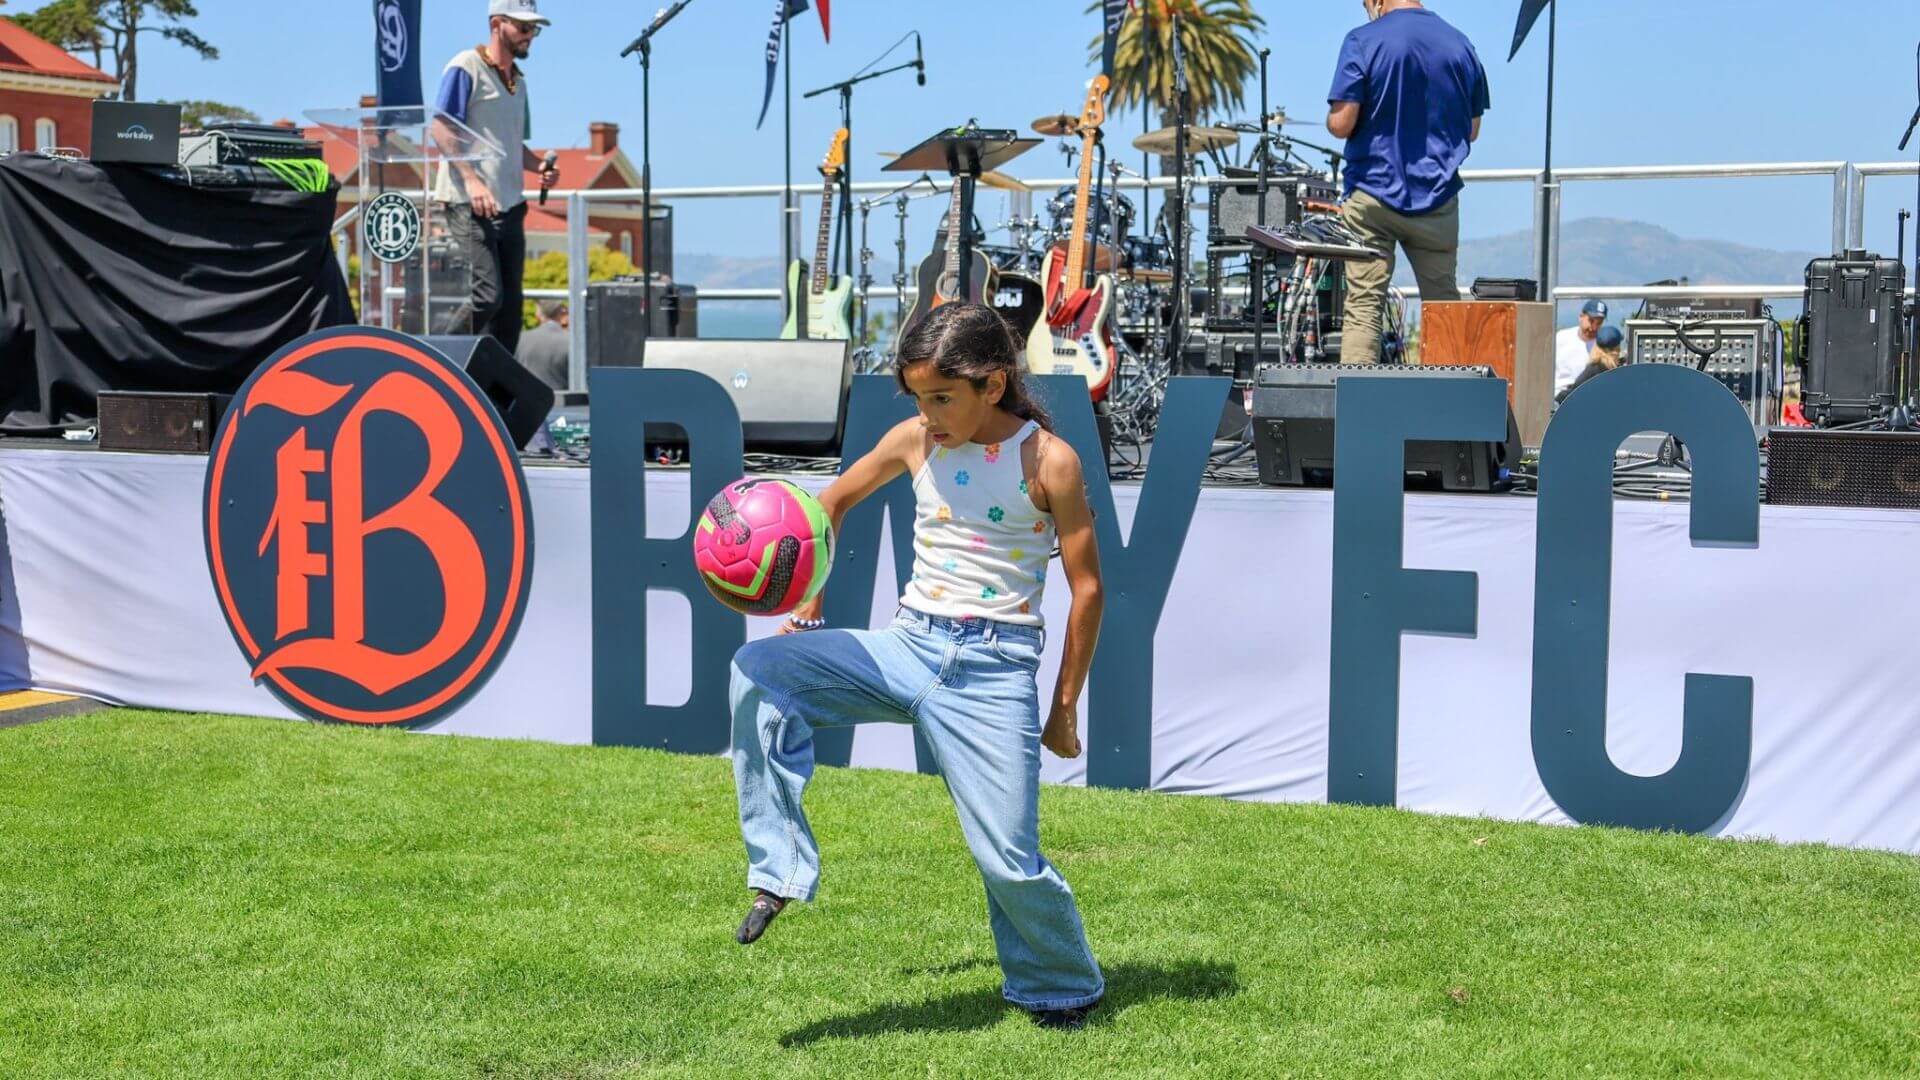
{"x":964,"y":152}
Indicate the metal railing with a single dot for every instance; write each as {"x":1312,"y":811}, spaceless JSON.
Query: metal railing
{"x":1847,"y":217}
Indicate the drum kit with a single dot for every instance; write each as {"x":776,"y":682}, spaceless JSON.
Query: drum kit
{"x":1136,"y":249}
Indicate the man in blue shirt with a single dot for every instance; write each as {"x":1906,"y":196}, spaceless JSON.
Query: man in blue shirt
{"x":1407,"y":96}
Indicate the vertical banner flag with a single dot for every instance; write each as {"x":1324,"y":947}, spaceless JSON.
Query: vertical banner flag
{"x":782,"y":11}
{"x":396,"y":52}
{"x":1113,"y":13}
{"x":1529,"y":14}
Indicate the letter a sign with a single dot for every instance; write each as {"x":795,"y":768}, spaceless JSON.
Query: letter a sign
{"x":368,"y":529}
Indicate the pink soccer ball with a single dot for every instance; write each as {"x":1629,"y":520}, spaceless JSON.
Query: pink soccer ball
{"x":763,"y":547}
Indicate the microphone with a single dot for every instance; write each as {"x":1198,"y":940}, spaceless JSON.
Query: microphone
{"x":546,"y":166}
{"x":660,"y":19}
{"x":918,"y":60}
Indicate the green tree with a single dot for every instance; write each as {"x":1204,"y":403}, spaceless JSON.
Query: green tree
{"x":1218,"y":38}
{"x":549,"y":271}
{"x":200,"y":114}
{"x":114,"y":28}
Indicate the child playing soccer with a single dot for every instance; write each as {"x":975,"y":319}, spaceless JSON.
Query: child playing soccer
{"x":993,"y":486}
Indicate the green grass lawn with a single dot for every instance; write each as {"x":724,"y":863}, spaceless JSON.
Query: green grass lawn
{"x":195,"y":895}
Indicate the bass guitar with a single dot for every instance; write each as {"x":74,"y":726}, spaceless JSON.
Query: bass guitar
{"x":1076,"y":336}
{"x":820,"y":305}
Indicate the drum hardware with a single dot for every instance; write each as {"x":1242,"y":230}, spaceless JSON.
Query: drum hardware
{"x":1057,"y":125}
{"x":1161,"y":143}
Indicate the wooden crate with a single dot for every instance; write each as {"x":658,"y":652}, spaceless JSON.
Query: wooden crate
{"x":1513,"y":338}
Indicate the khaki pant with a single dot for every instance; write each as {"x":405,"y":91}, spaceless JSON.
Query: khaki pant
{"x":1432,"y":241}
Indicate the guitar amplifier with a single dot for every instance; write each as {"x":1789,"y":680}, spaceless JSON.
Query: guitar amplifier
{"x":623,"y":312}
{"x":1232,"y":207}
{"x":168,"y":423}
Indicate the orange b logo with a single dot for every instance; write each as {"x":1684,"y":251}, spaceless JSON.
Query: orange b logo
{"x":368,"y":529}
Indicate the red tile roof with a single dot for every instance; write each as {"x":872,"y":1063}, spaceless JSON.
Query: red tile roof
{"x":578,"y":169}
{"x":22,"y":51}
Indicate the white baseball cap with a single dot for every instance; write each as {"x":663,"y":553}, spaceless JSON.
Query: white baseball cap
{"x":523,"y":10}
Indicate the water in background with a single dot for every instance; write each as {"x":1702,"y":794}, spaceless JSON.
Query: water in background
{"x":740,"y":319}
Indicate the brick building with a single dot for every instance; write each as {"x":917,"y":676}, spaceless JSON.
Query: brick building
{"x":601,"y":164}
{"x":46,"y":95}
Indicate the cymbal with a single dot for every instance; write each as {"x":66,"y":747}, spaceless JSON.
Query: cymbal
{"x":1199,"y":140}
{"x":1057,"y":124}
{"x":991,"y":178}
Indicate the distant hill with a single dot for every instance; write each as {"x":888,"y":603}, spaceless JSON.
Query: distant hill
{"x":1611,"y":251}
{"x":1593,"y":251}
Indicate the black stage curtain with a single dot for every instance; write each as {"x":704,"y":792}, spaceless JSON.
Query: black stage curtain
{"x":125,"y":277}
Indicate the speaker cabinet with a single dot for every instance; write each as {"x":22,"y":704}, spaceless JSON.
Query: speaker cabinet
{"x":1867,"y":469}
{"x":792,"y":395}
{"x":1294,"y":418}
{"x":163,"y":422}
{"x":522,"y":400}
{"x":623,"y":314}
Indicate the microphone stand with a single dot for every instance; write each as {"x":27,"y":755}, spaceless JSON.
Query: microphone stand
{"x":644,"y":46}
{"x":1913,"y":316}
{"x":1260,"y":218}
{"x":845,"y":90}
{"x":1176,"y":337}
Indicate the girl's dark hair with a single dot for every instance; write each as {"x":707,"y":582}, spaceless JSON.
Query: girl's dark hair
{"x":971,"y":342}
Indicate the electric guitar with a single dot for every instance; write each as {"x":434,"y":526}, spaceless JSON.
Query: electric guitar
{"x":941,"y":280}
{"x":820,"y":305}
{"x":1076,"y":336}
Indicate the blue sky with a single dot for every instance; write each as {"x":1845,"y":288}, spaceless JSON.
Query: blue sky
{"x":1641,"y":82}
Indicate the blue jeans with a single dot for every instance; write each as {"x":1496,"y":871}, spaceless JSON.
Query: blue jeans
{"x":970,"y":687}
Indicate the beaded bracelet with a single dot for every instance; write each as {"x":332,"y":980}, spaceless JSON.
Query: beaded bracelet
{"x":805,"y":624}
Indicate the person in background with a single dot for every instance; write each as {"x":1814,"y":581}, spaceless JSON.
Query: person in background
{"x":545,"y":349}
{"x":1407,"y":96}
{"x":1603,"y":357}
{"x":1573,"y":347}
{"x":480,"y":201}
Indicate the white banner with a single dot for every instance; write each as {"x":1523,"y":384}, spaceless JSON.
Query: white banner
{"x":104,"y":592}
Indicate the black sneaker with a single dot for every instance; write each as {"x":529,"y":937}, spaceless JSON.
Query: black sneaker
{"x":759,"y":916}
{"x":1069,"y":1019}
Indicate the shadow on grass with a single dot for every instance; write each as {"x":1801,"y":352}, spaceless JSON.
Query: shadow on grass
{"x":1127,"y":985}
{"x":954,"y":968}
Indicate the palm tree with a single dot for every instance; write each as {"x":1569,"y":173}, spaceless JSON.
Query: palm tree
{"x":1218,"y":39}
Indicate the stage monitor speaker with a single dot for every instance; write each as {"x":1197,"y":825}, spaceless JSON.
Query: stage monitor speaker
{"x":165,"y":422}
{"x":1293,"y":429}
{"x":1869,"y":469}
{"x":792,"y":395}
{"x":624,"y":313}
{"x":522,"y":400}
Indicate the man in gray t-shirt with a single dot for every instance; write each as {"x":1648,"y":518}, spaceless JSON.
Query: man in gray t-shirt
{"x":481,"y":203}
{"x":545,"y":349}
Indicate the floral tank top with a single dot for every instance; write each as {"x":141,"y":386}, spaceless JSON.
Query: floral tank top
{"x":980,"y":546}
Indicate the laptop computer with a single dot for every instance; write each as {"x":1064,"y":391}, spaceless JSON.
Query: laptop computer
{"x":137,"y":133}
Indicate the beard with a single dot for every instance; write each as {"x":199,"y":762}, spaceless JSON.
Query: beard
{"x":519,"y":49}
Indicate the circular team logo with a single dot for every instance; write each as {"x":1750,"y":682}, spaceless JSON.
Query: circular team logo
{"x":368,"y":529}
{"x":393,"y":36}
{"x":392,"y":227}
